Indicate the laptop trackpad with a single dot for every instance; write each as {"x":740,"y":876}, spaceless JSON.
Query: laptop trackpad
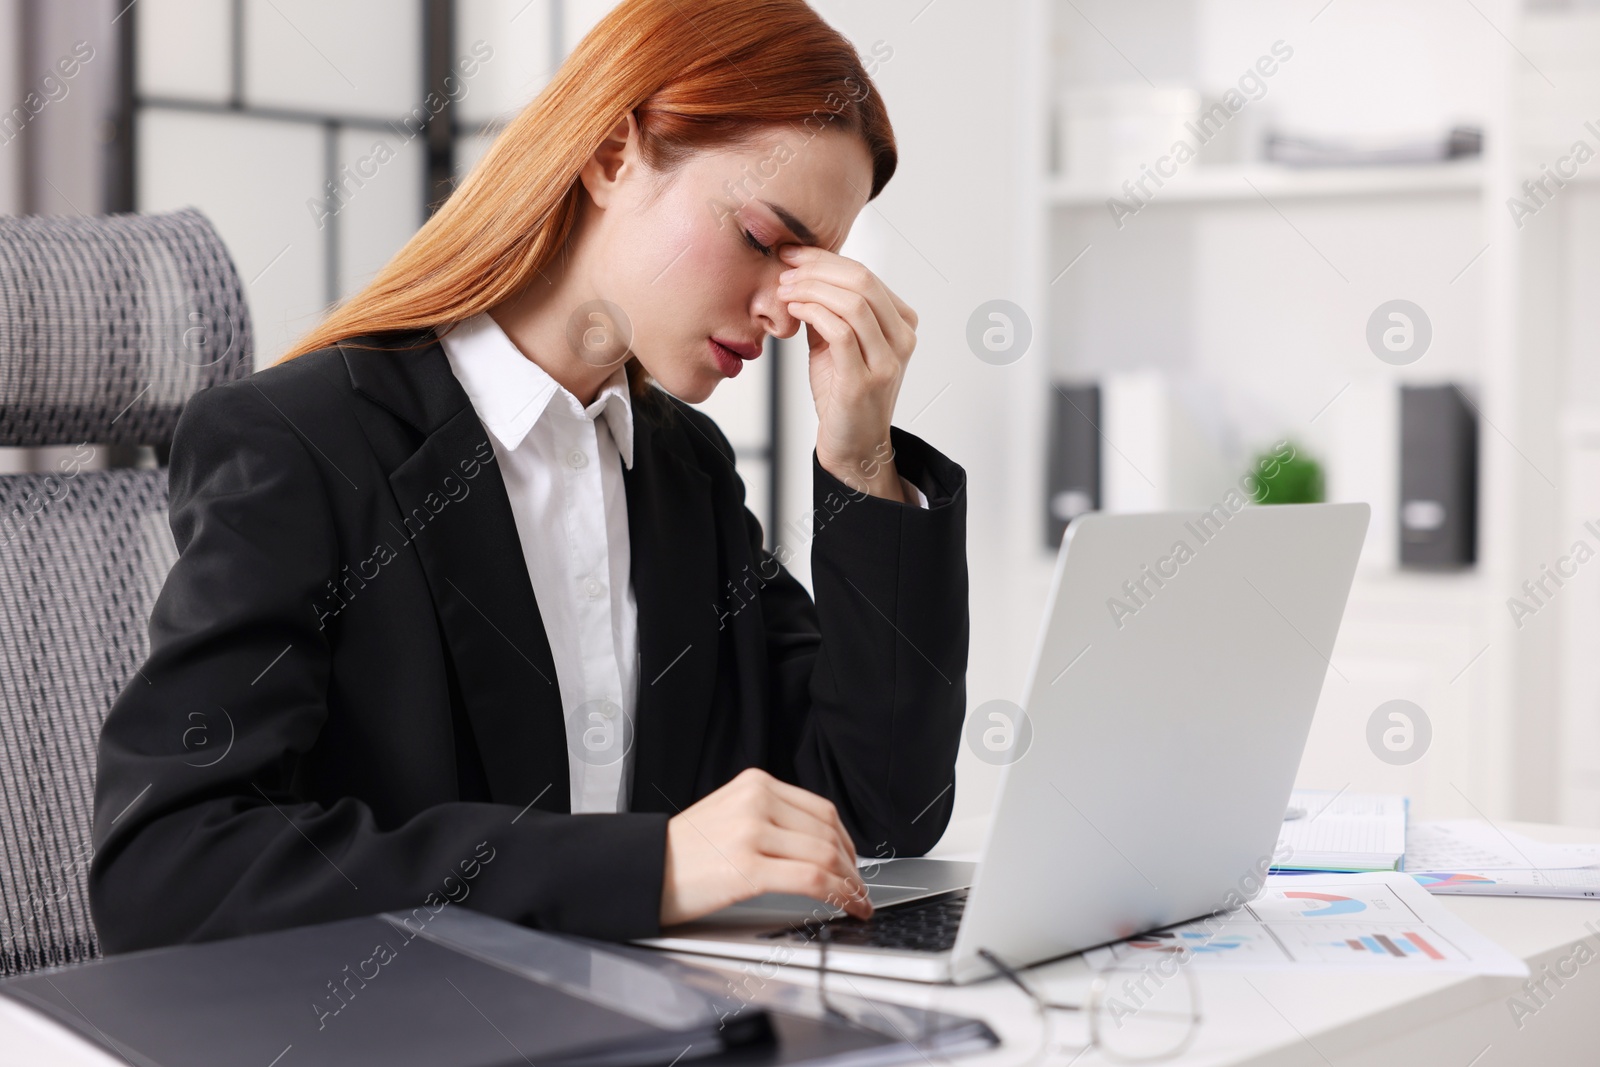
{"x":889,"y":882}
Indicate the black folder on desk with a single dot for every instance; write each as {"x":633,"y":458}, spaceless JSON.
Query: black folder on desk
{"x":453,"y":988}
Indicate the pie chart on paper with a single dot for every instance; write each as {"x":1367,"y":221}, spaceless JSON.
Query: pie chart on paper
{"x":1326,"y":905}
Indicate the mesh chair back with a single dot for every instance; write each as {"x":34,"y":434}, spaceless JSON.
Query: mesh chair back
{"x":84,"y":555}
{"x":107,"y":327}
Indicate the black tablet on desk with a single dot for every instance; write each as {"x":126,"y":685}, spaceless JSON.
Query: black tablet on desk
{"x":451,"y":988}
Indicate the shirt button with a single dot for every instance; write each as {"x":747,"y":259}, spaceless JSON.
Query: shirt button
{"x":592,"y":588}
{"x":608,"y":709}
{"x":576,"y":458}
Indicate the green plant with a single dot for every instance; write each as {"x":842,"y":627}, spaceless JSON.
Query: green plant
{"x":1287,"y":475}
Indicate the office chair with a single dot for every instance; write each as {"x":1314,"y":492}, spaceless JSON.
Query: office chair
{"x":107,"y":326}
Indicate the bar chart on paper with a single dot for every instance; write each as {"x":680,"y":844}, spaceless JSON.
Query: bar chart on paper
{"x":1396,"y":945}
{"x":1381,"y":947}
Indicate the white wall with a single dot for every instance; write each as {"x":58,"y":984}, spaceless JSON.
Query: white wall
{"x":943,"y":236}
{"x":1232,"y":294}
{"x":261,"y":179}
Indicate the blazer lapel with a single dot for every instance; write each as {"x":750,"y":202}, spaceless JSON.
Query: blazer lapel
{"x":673,"y":534}
{"x":465,"y":536}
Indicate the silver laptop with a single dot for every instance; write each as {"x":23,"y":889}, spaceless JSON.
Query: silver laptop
{"x":1169,"y":699}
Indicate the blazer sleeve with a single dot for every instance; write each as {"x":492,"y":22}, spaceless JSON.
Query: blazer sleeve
{"x":212,"y":834}
{"x":869,"y":680}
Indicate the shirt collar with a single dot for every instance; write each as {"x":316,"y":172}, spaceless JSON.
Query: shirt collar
{"x":510,"y":392}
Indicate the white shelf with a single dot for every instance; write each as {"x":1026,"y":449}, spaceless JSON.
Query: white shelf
{"x":1513,"y":700}
{"x":1220,"y":184}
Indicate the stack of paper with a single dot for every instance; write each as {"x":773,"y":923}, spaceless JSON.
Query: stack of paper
{"x":1475,"y":858}
{"x":1328,"y":831}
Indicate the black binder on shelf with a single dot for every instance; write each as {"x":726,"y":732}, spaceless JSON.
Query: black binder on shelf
{"x":1438,"y":478}
{"x":455,"y":988}
{"x":1072,"y":466}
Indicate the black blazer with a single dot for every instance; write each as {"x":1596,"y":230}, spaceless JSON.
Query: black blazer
{"x":350,"y":703}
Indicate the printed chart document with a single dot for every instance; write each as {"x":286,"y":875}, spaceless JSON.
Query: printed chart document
{"x":1338,"y":831}
{"x":1381,"y":921}
{"x":1510,"y":882}
{"x":1471,"y":857}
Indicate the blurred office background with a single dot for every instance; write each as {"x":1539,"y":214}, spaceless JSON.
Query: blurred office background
{"x":1183,"y":315}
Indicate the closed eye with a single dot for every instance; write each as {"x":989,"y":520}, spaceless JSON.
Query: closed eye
{"x":757,"y":245}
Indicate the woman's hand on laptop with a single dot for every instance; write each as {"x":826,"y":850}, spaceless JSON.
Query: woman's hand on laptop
{"x":758,"y":835}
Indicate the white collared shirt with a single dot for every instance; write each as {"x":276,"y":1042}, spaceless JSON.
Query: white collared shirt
{"x":560,"y":462}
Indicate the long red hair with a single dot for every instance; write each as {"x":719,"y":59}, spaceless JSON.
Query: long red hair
{"x":695,"y":73}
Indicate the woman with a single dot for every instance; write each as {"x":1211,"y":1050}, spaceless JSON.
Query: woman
{"x":468,"y":610}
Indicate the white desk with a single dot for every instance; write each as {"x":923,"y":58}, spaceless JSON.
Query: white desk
{"x":1343,"y":1020}
{"x":1289,"y":1019}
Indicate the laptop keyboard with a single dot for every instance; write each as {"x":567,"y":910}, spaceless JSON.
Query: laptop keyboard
{"x":921,"y":926}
